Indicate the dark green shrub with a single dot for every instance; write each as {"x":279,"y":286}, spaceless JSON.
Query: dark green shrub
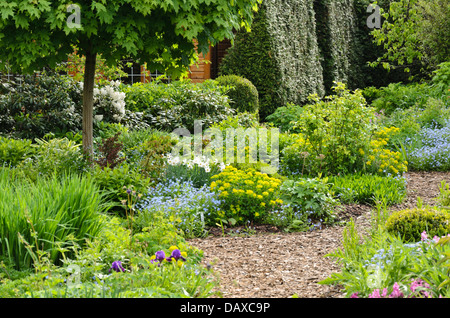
{"x":243,"y":93}
{"x":280,"y":55}
{"x":285,"y":117}
{"x":13,"y":151}
{"x":178,"y":104}
{"x":409,"y":224}
{"x":34,"y":106}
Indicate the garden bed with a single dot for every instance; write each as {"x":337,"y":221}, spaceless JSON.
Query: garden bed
{"x":273,"y":264}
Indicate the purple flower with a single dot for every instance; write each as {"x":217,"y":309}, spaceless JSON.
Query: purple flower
{"x":354,"y":295}
{"x":117,"y":266}
{"x":160,"y":255}
{"x":177,"y":255}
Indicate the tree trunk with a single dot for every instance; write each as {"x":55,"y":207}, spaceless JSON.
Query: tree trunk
{"x":88,"y":105}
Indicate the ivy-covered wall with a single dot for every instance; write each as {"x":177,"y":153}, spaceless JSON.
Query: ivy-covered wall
{"x":300,"y":47}
{"x":280,"y":56}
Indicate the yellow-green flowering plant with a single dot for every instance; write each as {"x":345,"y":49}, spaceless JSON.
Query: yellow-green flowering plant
{"x":247,"y":195}
{"x":382,"y":160}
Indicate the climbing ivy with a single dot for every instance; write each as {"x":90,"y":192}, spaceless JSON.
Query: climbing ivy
{"x":300,"y":47}
{"x":280,"y":56}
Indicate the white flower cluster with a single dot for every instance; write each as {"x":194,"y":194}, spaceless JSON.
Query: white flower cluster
{"x":109,"y":99}
{"x":202,"y":162}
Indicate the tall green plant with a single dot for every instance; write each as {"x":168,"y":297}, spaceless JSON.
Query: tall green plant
{"x":164,"y":34}
{"x":62,"y":212}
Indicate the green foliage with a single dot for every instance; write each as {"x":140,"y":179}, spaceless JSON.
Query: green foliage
{"x":243,"y":94}
{"x":381,"y":260}
{"x":398,"y":95}
{"x":181,"y":24}
{"x":56,"y":156}
{"x":334,"y":133}
{"x":14,"y":151}
{"x":285,"y":116}
{"x":48,"y":215}
{"x":282,"y":62}
{"x":35,"y":106}
{"x":113,"y":181}
{"x":311,"y":197}
{"x":239,"y":120}
{"x":410,"y":223}
{"x":441,"y":78}
{"x":369,"y":189}
{"x":178,"y":104}
{"x":140,"y":279}
{"x":153,"y":162}
{"x":414,"y":35}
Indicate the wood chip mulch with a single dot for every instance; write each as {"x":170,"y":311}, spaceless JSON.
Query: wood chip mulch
{"x":268,"y":263}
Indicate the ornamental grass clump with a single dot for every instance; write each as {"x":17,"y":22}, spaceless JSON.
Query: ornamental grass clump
{"x":246,"y":195}
{"x":49,"y":214}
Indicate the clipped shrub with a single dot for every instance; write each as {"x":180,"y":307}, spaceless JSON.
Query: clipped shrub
{"x":280,"y":56}
{"x":14,"y":151}
{"x":409,"y":224}
{"x":243,"y":94}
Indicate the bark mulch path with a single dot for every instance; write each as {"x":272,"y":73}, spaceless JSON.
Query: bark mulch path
{"x":273,"y":264}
